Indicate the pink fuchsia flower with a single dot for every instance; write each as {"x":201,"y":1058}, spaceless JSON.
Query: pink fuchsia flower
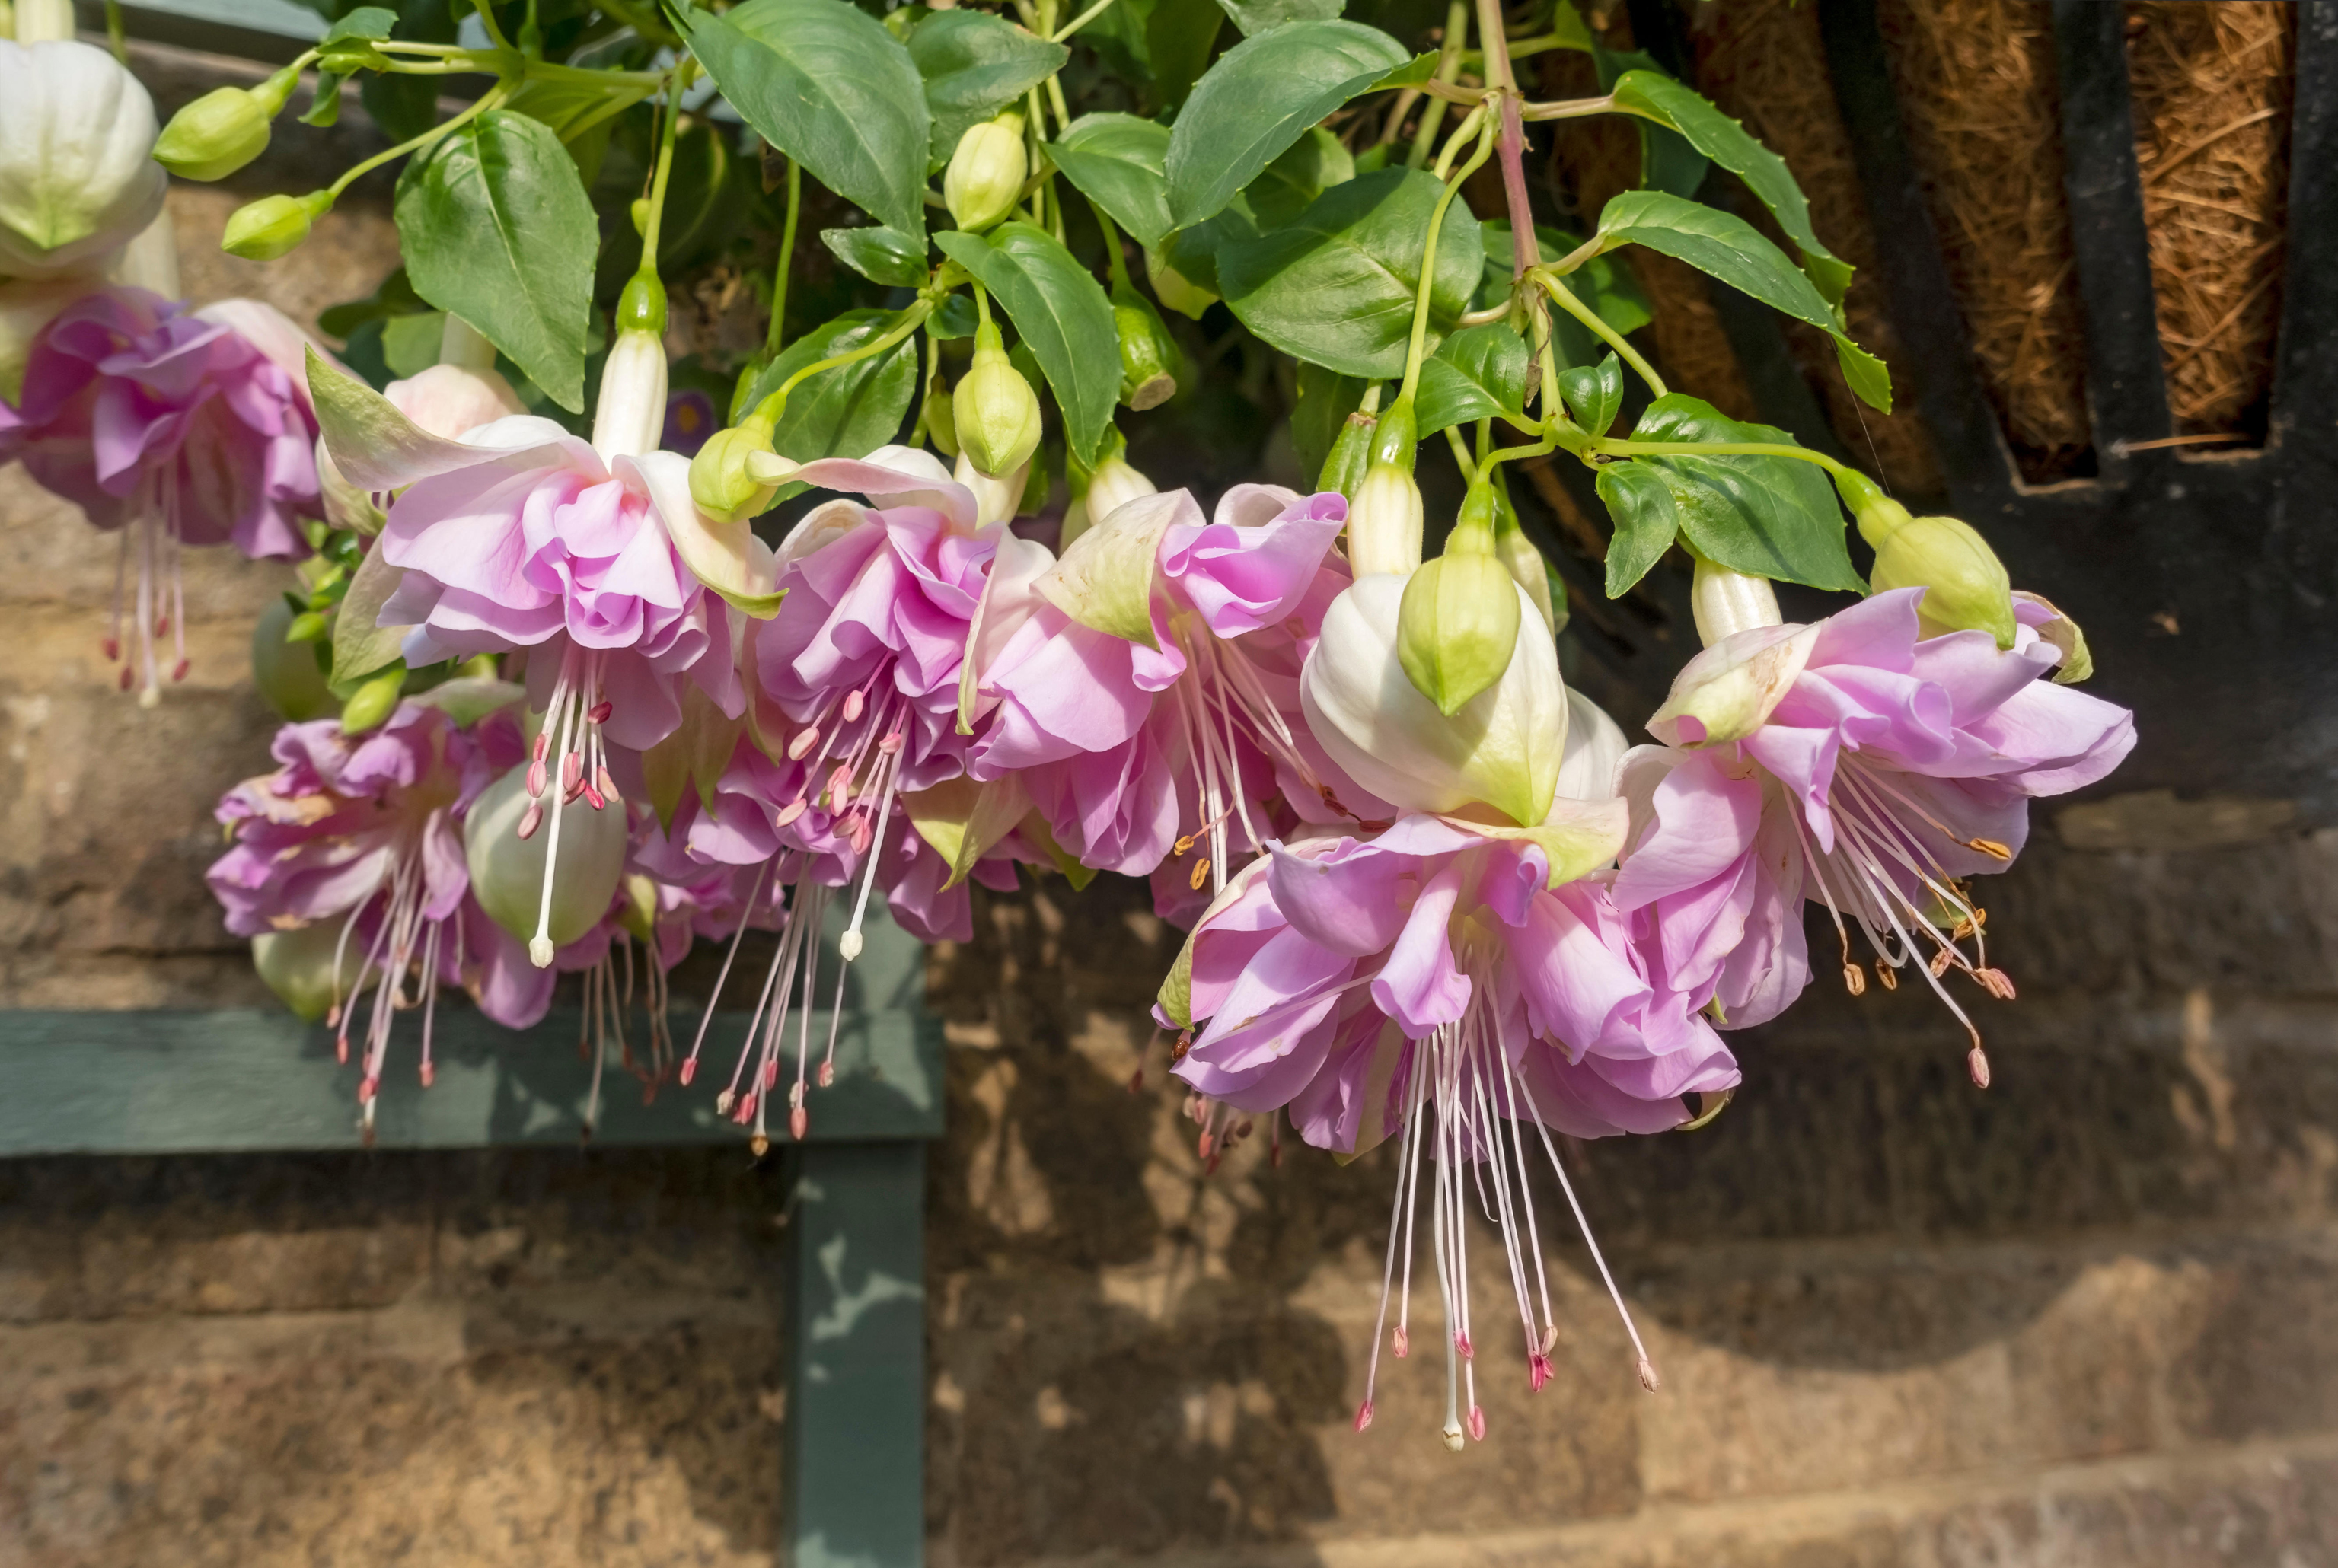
{"x":1150,"y":705}
{"x":590,"y":557}
{"x":365,"y":832}
{"x":177,"y":427}
{"x":864,"y":667}
{"x":1464,"y":989}
{"x":1855,"y":763}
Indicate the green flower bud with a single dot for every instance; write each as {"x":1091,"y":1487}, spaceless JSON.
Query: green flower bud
{"x":719,"y":480}
{"x":218,"y":133}
{"x":1965,"y":585}
{"x":1458,"y":624}
{"x":1528,"y":567}
{"x":1148,"y":354}
{"x":273,"y":226}
{"x":1175,"y":290}
{"x":986,"y":174}
{"x":996,"y":411}
{"x":285,"y":672}
{"x":297,"y":966}
{"x":372,"y":703}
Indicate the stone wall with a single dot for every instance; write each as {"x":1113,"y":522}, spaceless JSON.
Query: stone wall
{"x":2085,"y":1319}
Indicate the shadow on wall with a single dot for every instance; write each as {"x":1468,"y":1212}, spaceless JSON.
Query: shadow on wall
{"x":1865,"y":1270}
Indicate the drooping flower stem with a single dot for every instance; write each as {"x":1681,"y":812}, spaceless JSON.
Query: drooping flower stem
{"x":1417,"y":350}
{"x":1564,"y":297}
{"x":1449,"y":66}
{"x":775,"y":337}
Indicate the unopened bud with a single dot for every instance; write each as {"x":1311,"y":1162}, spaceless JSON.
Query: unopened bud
{"x":1965,"y":588}
{"x":719,"y":480}
{"x":1175,"y":290}
{"x":297,"y":966}
{"x":1527,"y":568}
{"x":76,"y":183}
{"x":1350,"y":456}
{"x":995,"y":499}
{"x":1384,"y":522}
{"x":1114,"y":484}
{"x":372,"y":704}
{"x":1148,"y":354}
{"x":996,"y":411}
{"x":273,"y":226}
{"x":986,"y":174}
{"x":1459,"y":622}
{"x":223,"y":130}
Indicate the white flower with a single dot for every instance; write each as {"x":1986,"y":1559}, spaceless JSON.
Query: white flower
{"x":76,"y":179}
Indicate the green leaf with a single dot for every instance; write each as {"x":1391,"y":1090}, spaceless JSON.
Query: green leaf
{"x":1326,"y":398}
{"x":1313,"y":165}
{"x":324,"y":106}
{"x":1194,"y":253}
{"x":1262,"y":96}
{"x":1258,"y":15}
{"x":1727,"y":246}
{"x":1061,"y":313}
{"x":1336,"y":287}
{"x":1413,"y":73}
{"x":953,"y":318}
{"x":1727,"y":142}
{"x":881,"y":255}
{"x":826,"y":84}
{"x":974,"y":65}
{"x":1114,"y":161}
{"x":1774,"y":517}
{"x":1668,"y":161}
{"x":370,"y":21}
{"x":1640,"y":504}
{"x":1179,"y":36}
{"x":1594,"y":395}
{"x":848,"y":411}
{"x":496,"y":227}
{"x":1478,"y":373}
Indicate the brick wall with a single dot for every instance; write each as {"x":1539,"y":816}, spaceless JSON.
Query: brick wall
{"x":2085,"y":1319}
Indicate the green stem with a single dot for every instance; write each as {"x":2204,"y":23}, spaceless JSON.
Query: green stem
{"x":1416,"y":350}
{"x":1080,"y":21}
{"x":675,"y":89}
{"x":1505,"y":453}
{"x":1575,"y":108}
{"x":1564,"y":297}
{"x":431,"y":137}
{"x":114,"y":39}
{"x":1113,"y":257}
{"x":1472,"y":122}
{"x":1460,"y":453}
{"x":981,"y":303}
{"x":486,"y":10}
{"x":778,"y":333}
{"x":1619,"y":448}
{"x":767,"y":413}
{"x":1449,"y":66}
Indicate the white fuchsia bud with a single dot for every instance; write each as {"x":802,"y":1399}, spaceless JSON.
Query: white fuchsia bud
{"x":1726,"y":603}
{"x":1385,"y":515}
{"x":986,"y":174}
{"x":75,"y":180}
{"x":1112,"y":483}
{"x":995,"y":500}
{"x":630,"y":417}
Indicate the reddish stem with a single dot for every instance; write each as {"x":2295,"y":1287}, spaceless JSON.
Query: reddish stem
{"x":1493,"y":40}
